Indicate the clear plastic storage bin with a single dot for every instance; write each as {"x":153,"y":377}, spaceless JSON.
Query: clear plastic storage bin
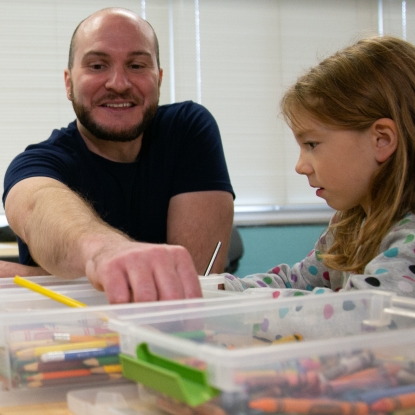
{"x":341,"y":353}
{"x":46,"y":346}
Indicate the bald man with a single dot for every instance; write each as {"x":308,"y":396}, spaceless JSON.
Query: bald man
{"x":132,"y":194}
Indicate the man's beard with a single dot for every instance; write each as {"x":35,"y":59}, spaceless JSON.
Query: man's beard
{"x":106,"y":133}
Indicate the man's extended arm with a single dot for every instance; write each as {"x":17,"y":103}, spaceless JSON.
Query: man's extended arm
{"x":67,"y":239}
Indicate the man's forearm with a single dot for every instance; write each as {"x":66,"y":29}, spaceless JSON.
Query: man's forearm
{"x":59,"y":227}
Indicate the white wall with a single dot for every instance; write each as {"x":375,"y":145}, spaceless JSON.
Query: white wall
{"x":234,"y":56}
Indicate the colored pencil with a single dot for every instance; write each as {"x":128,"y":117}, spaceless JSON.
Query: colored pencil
{"x":80,"y":354}
{"x":53,"y":366}
{"x":102,"y":361}
{"x":107,"y":369}
{"x":59,"y":374}
{"x":47,"y":292}
{"x":37,"y":351}
{"x":75,"y":380}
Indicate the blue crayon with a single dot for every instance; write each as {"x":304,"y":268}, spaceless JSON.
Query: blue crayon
{"x":79,"y":354}
{"x":372,"y":396}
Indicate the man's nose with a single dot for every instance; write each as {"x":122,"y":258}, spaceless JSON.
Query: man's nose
{"x":118,"y":80}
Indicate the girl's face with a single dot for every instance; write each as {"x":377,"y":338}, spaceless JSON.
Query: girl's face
{"x":338,"y":163}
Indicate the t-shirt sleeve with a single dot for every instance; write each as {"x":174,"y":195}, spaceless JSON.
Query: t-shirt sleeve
{"x":201,"y":162}
{"x":37,"y":161}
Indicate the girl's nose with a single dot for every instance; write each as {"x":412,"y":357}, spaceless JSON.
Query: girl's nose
{"x":303,"y":166}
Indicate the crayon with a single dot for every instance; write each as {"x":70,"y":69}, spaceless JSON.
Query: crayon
{"x":382,"y":377}
{"x":372,"y":396}
{"x":404,"y":401}
{"x":338,"y":386}
{"x":285,"y":380}
{"x":174,"y":407}
{"x":349,"y":365}
{"x":40,"y":350}
{"x":296,"y":337}
{"x":390,"y":369}
{"x":309,"y":406}
{"x":80,"y":354}
{"x":107,"y":369}
{"x":101,"y":361}
{"x":405,"y":376}
{"x":53,"y":366}
{"x":74,"y":380}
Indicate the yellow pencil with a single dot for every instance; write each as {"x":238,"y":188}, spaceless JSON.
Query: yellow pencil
{"x":48,"y":293}
{"x":107,"y":369}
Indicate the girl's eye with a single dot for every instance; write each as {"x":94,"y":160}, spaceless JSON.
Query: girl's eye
{"x":311,"y":144}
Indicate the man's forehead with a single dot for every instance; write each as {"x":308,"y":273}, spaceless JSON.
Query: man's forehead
{"x":105,"y":26}
{"x":110,"y":20}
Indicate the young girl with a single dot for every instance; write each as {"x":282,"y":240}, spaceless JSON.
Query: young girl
{"x":353,"y":116}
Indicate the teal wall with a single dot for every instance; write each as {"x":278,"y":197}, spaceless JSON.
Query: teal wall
{"x":267,"y":246}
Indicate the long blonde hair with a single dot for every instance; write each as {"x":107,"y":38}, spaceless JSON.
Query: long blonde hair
{"x":370,"y":80}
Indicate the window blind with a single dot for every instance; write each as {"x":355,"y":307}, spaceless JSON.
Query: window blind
{"x":236,"y":57}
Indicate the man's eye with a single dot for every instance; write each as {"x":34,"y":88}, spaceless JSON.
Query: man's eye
{"x":97,"y":66}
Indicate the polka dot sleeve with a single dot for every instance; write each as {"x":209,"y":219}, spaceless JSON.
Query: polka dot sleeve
{"x":393,"y":269}
{"x":305,"y":275}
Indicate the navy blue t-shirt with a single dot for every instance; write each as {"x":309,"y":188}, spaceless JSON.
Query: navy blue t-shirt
{"x":181,"y":152}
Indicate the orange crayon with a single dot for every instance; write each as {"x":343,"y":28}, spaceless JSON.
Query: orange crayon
{"x":394,"y":403}
{"x":282,"y":379}
{"x":309,"y":406}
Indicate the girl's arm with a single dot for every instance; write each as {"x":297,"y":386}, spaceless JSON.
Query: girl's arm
{"x":305,"y":275}
{"x":393,"y":269}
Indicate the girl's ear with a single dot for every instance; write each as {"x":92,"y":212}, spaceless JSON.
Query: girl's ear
{"x":385,"y":138}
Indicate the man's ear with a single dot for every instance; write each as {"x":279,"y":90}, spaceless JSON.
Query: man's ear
{"x":67,"y":77}
{"x":385,"y":138}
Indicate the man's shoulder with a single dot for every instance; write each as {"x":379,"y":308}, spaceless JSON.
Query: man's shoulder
{"x":184,"y":108}
{"x":62,"y":138}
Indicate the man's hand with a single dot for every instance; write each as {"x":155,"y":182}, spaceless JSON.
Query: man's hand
{"x":134,"y":271}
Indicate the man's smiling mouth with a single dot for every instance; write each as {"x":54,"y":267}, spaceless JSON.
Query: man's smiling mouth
{"x":121,"y":105}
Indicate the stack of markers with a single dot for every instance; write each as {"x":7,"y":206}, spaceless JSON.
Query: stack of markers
{"x":52,"y":358}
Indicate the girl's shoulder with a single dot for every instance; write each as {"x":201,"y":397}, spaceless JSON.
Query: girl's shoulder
{"x":407,"y":222}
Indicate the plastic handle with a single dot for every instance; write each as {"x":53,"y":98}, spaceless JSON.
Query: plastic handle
{"x":181,"y":382}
